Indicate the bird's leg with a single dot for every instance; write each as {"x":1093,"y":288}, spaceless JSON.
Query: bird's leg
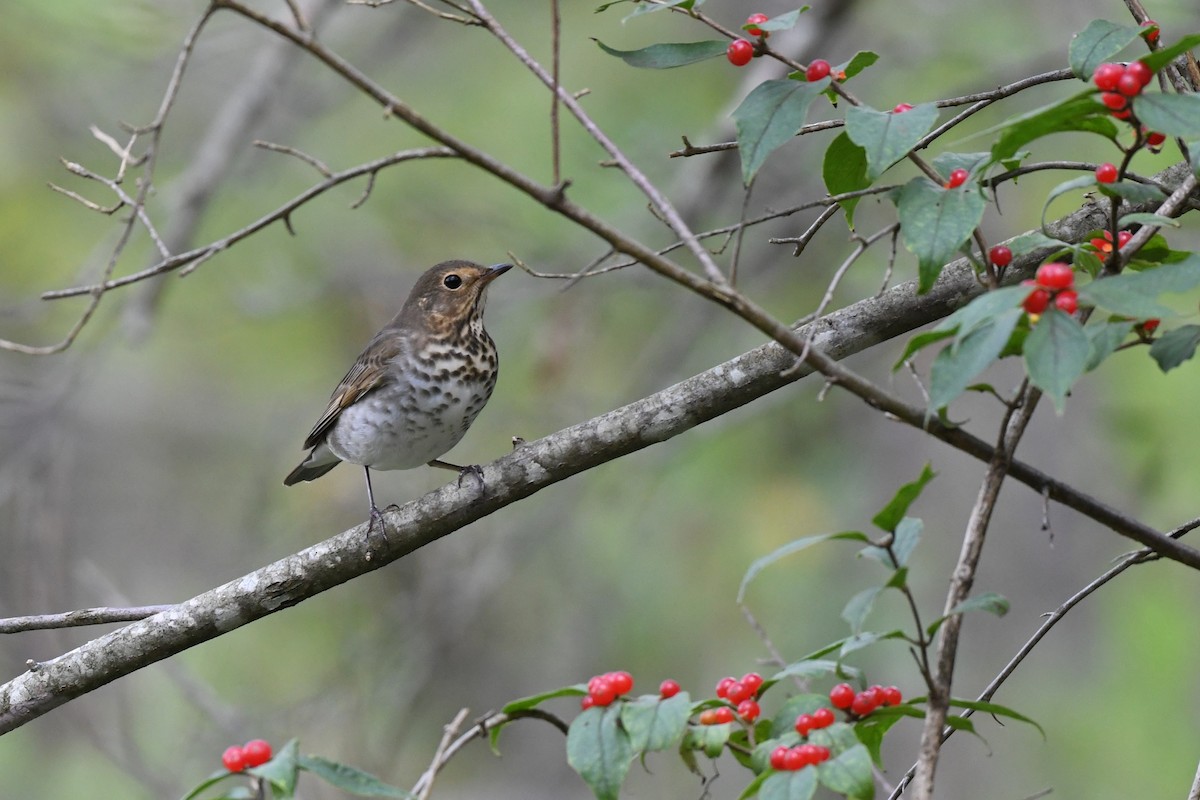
{"x":473,"y":469}
{"x":376,"y":516}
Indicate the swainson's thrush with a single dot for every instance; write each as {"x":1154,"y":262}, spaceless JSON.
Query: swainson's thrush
{"x":416,"y":387}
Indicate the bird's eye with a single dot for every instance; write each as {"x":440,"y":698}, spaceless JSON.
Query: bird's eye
{"x":452,"y":281}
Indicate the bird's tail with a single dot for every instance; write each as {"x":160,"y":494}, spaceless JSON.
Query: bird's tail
{"x":319,"y":461}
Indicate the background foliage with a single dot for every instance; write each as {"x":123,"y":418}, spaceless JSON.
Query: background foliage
{"x":145,"y":464}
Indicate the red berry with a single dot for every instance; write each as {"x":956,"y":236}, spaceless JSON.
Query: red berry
{"x":1114,"y":101}
{"x":1000,"y":255}
{"x":1155,"y":139}
{"x":738,"y":692}
{"x":1150,"y":325}
{"x":668,"y":689}
{"x":1036,"y":302}
{"x":804,"y":724}
{"x":795,"y":758}
{"x":753,"y":21}
{"x":234,"y":759}
{"x":957,"y":178}
{"x":902,"y":107}
{"x":708,"y":716}
{"x":602,"y":690}
{"x":841,"y":695}
{"x":817,"y":68}
{"x":723,"y":686}
{"x":1151,"y":32}
{"x":1106,"y":76}
{"x":752,"y":681}
{"x":1106,"y":173}
{"x":864,"y":703}
{"x":1055,"y":275}
{"x":1066,"y":301}
{"x":822,"y":718}
{"x":586,"y":702}
{"x":748,"y":710}
{"x":723,"y":714}
{"x":777,"y":757}
{"x":739,"y":52}
{"x":1142,"y":73}
{"x":1123,"y":238}
{"x":823,"y":753}
{"x":256,"y":751}
{"x":892,"y":696}
{"x":622,"y":681}
{"x":1129,"y":84}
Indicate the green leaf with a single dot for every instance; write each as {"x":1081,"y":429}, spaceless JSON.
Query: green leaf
{"x":845,"y":170}
{"x":861,"y":60}
{"x":850,"y":773}
{"x":1083,"y":182}
{"x":655,"y":724}
{"x":1141,"y":218}
{"x":957,"y":365}
{"x":666,"y":55}
{"x":864,"y":639}
{"x":1160,"y":58}
{"x":1175,"y":347}
{"x":985,"y":308}
{"x":890,"y":515}
{"x":710,"y":739}
{"x":769,"y":117}
{"x":996,"y":710}
{"x":886,"y":136}
{"x":920,"y":341}
{"x":988,"y":601}
{"x":1079,"y":113}
{"x":1034,"y":240}
{"x":798,"y":784}
{"x":1172,"y":114}
{"x":1056,"y":354}
{"x":283,"y":770}
{"x":599,"y":750}
{"x":650,"y":8}
{"x":856,"y":611}
{"x":1132,"y":191}
{"x":1135,"y":294}
{"x":208,"y":782}
{"x":788,"y":549}
{"x":936,"y":222}
{"x":783,"y":22}
{"x":948,"y":162}
{"x":1097,"y":43}
{"x":526,"y":703}
{"x":905,"y":537}
{"x":350,"y":779}
{"x":1105,"y":337}
{"x":870,"y":730}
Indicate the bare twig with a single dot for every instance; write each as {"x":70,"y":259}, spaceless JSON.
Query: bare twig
{"x":312,"y":161}
{"x":83,"y":616}
{"x":439,"y":755}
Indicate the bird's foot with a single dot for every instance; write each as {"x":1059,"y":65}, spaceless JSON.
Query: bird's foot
{"x":473,"y":469}
{"x":376,"y":527}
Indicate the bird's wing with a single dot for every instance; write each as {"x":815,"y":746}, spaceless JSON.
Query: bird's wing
{"x":369,"y":372}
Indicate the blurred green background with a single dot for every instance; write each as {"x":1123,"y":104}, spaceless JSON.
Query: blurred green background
{"x":145,"y":464}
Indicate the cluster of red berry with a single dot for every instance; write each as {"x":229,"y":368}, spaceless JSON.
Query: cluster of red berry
{"x":741,"y":694}
{"x":603,"y":689}
{"x":790,"y":759}
{"x":740,"y":51}
{"x":1105,"y":245}
{"x":251,"y":754}
{"x":1120,"y":83}
{"x":860,"y":704}
{"x":1052,"y":282}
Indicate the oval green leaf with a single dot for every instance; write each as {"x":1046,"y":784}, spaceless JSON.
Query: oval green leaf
{"x":935,"y":222}
{"x":667,"y":55}
{"x":599,"y":750}
{"x":1056,"y":354}
{"x":1172,"y":114}
{"x":769,"y":117}
{"x":886,"y":136}
{"x":1097,"y":43}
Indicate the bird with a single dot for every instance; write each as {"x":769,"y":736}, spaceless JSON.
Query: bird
{"x":416,"y":387}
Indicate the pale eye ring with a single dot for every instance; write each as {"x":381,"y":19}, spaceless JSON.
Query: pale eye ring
{"x":452,"y":281}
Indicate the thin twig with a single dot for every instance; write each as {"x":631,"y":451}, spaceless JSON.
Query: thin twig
{"x":78,"y":618}
{"x":439,"y":755}
{"x":312,"y":161}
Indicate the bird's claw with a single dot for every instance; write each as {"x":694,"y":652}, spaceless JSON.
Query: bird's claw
{"x":376,"y":527}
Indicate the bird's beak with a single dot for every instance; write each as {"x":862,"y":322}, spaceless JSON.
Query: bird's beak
{"x":495,"y":271}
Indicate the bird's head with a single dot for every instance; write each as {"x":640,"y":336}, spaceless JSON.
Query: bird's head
{"x":450,"y":294}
